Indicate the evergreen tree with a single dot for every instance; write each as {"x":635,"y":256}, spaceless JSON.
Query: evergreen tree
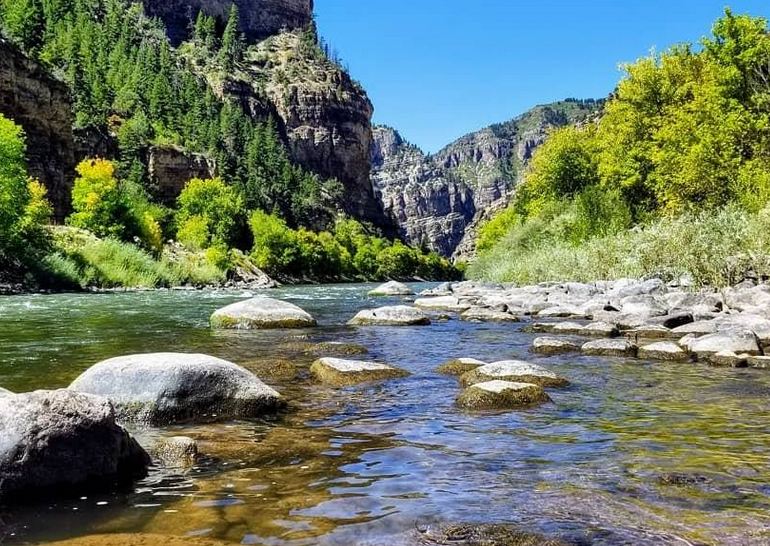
{"x":232,"y":45}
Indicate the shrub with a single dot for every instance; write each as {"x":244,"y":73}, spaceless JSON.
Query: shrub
{"x":276,"y":248}
{"x":96,"y":200}
{"x":218,"y":207}
{"x":14,"y":192}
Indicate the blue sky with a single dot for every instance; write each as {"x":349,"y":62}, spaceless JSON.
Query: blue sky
{"x":437,"y":69}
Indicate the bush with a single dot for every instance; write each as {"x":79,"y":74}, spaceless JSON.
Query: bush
{"x":276,"y":248}
{"x":14,"y":192}
{"x":209,"y":212}
{"x":96,"y":200}
{"x":714,"y":248}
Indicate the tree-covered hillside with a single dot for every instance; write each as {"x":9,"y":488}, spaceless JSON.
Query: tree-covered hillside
{"x":685,"y":134}
{"x":127,"y":81}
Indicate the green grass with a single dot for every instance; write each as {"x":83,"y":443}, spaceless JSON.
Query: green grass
{"x":78,"y":259}
{"x":715,"y":248}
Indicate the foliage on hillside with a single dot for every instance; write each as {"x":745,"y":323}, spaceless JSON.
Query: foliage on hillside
{"x":686,"y":131}
{"x":124,"y":75}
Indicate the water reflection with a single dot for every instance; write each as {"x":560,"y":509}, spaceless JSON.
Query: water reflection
{"x":632,"y":452}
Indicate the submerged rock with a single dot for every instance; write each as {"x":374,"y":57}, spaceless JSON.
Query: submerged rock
{"x":343,"y":373}
{"x":498,"y":394}
{"x":392,"y":288}
{"x":397,"y":315}
{"x":513,"y":370}
{"x":261,"y":313}
{"x":337,"y":348}
{"x":663,"y":350}
{"x":459,"y":366}
{"x":609,"y":347}
{"x":481,"y":535}
{"x":52,"y":440}
{"x":176,"y":451}
{"x":553,"y":346}
{"x":138,"y":539}
{"x":272,"y":368}
{"x":163,"y":388}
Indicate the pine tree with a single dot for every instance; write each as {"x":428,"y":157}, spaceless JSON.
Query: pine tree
{"x":232,"y":46}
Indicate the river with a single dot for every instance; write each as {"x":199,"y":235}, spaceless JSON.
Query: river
{"x":632,"y":452}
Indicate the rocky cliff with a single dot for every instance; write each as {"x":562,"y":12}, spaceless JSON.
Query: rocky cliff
{"x":259,"y":18}
{"x":31,"y":97}
{"x":324,"y":115}
{"x":439,"y":200}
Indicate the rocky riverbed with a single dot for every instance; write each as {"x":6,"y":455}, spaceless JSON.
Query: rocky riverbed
{"x":603,"y":413}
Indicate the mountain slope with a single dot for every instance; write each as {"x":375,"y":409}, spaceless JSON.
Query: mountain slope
{"x":437,"y":201}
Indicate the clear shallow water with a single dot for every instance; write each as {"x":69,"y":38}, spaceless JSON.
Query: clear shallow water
{"x":369,"y":463}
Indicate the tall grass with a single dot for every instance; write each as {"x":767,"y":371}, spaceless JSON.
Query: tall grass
{"x":716,"y":248}
{"x":78,"y":259}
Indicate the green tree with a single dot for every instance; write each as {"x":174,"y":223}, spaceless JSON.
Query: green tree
{"x":14,"y":192}
{"x":214,"y":204}
{"x":231,"y":51}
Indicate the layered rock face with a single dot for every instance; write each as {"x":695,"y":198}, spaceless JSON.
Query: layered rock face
{"x":41,"y":105}
{"x":324,"y":115}
{"x":259,"y":18}
{"x":170,"y":168}
{"x":439,"y":200}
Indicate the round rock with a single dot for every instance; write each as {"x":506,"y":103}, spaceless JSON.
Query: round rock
{"x":342,"y":373}
{"x":459,"y":366}
{"x":5,"y":392}
{"x":176,"y":451}
{"x":51,"y":440}
{"x":261,"y":313}
{"x":498,"y":395}
{"x":513,"y":370}
{"x":392,"y":288}
{"x":163,"y":388}
{"x":396,"y":315}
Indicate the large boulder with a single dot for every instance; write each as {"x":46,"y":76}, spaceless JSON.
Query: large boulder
{"x":261,"y":313}
{"x":499,"y":395}
{"x":5,"y":392}
{"x":397,"y":315}
{"x":516,"y":371}
{"x":163,"y":388}
{"x":51,"y":440}
{"x":737,"y":341}
{"x":343,"y":373}
{"x":392,"y":288}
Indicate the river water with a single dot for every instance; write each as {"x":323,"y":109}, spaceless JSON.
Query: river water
{"x":632,"y":452}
